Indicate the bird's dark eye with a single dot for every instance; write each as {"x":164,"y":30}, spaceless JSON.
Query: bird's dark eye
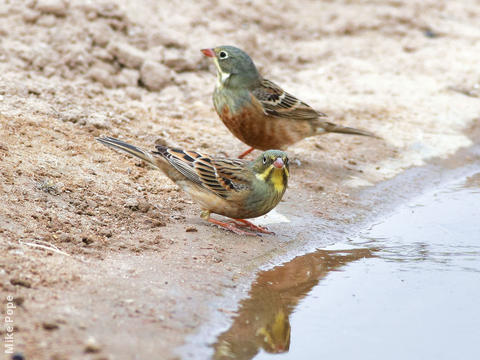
{"x":223,"y":55}
{"x":264,"y":159}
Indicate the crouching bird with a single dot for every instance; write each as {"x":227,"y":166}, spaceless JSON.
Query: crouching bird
{"x":234,"y":188}
{"x":259,"y":112}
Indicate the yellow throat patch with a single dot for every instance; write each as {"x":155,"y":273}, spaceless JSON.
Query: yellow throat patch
{"x":275,"y":176}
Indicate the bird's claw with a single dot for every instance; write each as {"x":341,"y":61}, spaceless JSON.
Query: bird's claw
{"x":232,"y":226}
{"x":251,"y":226}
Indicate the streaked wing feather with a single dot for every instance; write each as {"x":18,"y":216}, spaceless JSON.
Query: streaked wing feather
{"x":208,"y":173}
{"x":232,"y":173}
{"x":182,"y":161}
{"x":220,"y":176}
{"x":277,"y":102}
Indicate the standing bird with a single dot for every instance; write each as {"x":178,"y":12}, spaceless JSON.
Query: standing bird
{"x":259,"y":112}
{"x":237,"y":189}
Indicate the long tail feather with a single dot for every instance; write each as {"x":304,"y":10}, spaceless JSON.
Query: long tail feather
{"x":326,"y":126}
{"x":127,"y":148}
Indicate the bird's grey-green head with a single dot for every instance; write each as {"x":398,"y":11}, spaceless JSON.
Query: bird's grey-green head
{"x":272,"y":167}
{"x":234,"y":67}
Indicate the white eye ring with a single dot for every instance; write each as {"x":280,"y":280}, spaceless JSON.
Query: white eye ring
{"x":264,"y":159}
{"x":223,"y":55}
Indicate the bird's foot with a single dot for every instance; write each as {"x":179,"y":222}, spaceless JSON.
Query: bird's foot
{"x":251,"y":226}
{"x":232,"y":226}
{"x":245,"y":153}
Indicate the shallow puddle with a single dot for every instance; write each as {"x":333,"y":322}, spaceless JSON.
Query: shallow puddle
{"x":406,"y":288}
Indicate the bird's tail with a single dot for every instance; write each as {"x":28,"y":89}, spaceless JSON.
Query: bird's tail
{"x":129,"y":149}
{"x":326,"y":126}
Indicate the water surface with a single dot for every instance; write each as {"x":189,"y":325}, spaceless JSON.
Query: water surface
{"x":408,"y":287}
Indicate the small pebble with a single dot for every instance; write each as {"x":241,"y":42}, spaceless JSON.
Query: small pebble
{"x":18,"y":356}
{"x":143,"y":206}
{"x":132,"y":203}
{"x":126,"y":54}
{"x":127,"y":77}
{"x":87,"y":240}
{"x":91,"y":345}
{"x":430,"y":34}
{"x":155,"y":76}
{"x":19,"y":300}
{"x":55,"y":7}
{"x":99,"y":121}
{"x":48,"y":20}
{"x":21,"y":282}
{"x":47,"y":325}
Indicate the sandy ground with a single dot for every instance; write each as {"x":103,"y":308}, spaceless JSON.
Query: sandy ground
{"x":131,"y":268}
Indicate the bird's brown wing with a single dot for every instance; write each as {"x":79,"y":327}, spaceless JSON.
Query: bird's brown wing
{"x":277,"y":102}
{"x":220,"y":176}
{"x":233,"y":173}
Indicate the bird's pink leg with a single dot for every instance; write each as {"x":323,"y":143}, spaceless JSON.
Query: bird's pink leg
{"x":245,"y":153}
{"x":231,"y":226}
{"x":254,"y":227}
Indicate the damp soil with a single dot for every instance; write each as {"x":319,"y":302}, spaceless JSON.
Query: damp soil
{"x":105,"y":257}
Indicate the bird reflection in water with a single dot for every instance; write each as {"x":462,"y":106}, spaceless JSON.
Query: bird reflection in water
{"x":262,"y":321}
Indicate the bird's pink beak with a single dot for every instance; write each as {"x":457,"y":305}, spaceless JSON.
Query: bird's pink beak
{"x":278,"y":163}
{"x":208,"y":52}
